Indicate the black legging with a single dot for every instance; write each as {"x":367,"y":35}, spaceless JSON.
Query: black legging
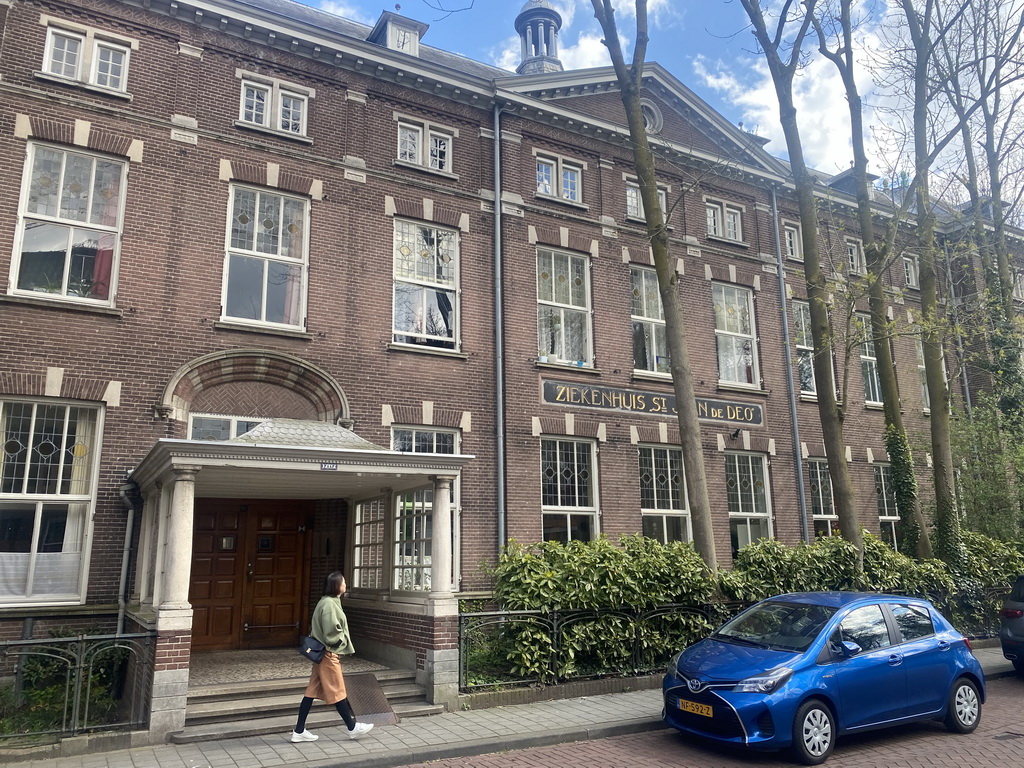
{"x":343,"y":707}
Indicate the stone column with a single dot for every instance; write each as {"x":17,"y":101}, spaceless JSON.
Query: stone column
{"x":144,"y":562}
{"x":441,"y":539}
{"x":178,"y":557}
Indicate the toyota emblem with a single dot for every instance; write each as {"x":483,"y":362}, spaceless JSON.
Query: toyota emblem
{"x":695,"y":685}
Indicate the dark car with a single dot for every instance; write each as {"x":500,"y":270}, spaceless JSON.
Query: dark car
{"x":1011,"y":626}
{"x":797,"y":671}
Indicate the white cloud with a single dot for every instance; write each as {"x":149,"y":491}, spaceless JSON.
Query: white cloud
{"x":346,"y":10}
{"x":588,"y":51}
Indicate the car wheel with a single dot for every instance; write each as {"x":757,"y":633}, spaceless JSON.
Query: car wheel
{"x":963,"y":711}
{"x":1018,"y":664}
{"x":814,"y":733}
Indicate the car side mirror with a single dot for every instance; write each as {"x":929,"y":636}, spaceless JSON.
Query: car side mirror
{"x":850,"y":648}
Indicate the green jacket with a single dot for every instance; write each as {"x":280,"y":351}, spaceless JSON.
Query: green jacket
{"x":329,"y":625}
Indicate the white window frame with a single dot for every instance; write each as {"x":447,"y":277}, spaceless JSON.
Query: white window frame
{"x":568,"y":449}
{"x":554,"y":308}
{"x":804,"y":345}
{"x":648,"y":318}
{"x":823,"y":507}
{"x":670,"y":500}
{"x":91,"y":42}
{"x":635,"y":203}
{"x":746,"y":506}
{"x":69,"y":286}
{"x":370,"y":544}
{"x":235,"y":425}
{"x":869,"y":362}
{"x":238,"y":256}
{"x":561,"y":169}
{"x":885,"y":498}
{"x":855,"y":261}
{"x":729,"y":333}
{"x":415,"y":273}
{"x":792,"y":241}
{"x":912,"y":271}
{"x":724,"y":220}
{"x":414,"y":511}
{"x":1018,"y":286}
{"x":277,"y":91}
{"x":425,"y":134}
{"x":72,"y":481}
{"x":926,"y":400}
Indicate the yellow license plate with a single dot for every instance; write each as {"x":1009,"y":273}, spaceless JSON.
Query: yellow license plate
{"x":697,"y":709}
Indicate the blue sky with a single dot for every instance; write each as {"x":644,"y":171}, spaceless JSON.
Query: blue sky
{"x":707,"y":44}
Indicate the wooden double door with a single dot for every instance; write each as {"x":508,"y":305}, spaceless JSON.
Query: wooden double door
{"x":249,"y":573}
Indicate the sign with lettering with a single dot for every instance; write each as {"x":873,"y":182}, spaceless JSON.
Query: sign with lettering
{"x":329,"y":466}
{"x":638,"y":401}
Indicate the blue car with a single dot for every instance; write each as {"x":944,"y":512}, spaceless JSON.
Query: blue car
{"x":797,"y":671}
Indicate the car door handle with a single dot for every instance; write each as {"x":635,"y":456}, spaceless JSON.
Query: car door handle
{"x":944,"y":646}
{"x":895,"y":660}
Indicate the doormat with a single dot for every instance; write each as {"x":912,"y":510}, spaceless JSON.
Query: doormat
{"x":368,"y":700}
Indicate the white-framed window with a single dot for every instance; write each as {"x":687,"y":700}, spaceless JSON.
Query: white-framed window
{"x":1018,"y":286}
{"x":559,"y":178}
{"x":414,"y":513}
{"x":885,"y":495}
{"x":209,"y":426}
{"x":568,"y":483}
{"x":792,"y":242}
{"x":369,"y":549}
{"x":654,"y":121}
{"x":823,"y":508}
{"x":869,"y":361}
{"x":69,"y":231}
{"x":922,"y":376}
{"x":663,"y":501}
{"x":426,"y":146}
{"x":912,"y":271}
{"x":804,"y":344}
{"x":635,"y":203}
{"x":734,"y":335}
{"x":88,"y":56}
{"x":266,"y":262}
{"x":273,"y":105}
{"x":650,"y":345}
{"x":426,"y":282}
{"x":724,"y":220}
{"x":750,"y":513}
{"x":49,"y":454}
{"x":855,"y":263}
{"x":563,"y":307}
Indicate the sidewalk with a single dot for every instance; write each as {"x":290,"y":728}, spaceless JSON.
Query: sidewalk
{"x":422,"y":739}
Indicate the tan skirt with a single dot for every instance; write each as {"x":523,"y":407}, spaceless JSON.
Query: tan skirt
{"x":326,"y":682}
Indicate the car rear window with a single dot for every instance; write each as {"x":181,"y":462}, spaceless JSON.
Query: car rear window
{"x":914,"y":622}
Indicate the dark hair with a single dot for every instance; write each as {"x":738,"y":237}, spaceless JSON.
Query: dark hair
{"x":333,"y":582}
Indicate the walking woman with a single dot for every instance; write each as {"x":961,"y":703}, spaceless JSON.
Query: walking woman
{"x":326,"y":682}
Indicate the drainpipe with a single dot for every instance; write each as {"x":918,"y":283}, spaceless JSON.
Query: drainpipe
{"x":790,"y":384}
{"x":499,"y":332}
{"x":126,"y":492}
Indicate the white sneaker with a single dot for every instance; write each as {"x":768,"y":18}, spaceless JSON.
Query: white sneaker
{"x":359,"y":730}
{"x":304,"y":736}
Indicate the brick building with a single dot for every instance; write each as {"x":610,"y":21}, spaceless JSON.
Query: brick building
{"x":286,"y":294}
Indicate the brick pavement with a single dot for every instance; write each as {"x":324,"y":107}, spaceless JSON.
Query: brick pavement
{"x":592,"y":728}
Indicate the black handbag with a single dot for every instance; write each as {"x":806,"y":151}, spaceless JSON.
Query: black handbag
{"x":312,"y":649}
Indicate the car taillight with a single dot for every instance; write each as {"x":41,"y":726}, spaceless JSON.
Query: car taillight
{"x":1011,"y":613}
{"x":967,"y":642}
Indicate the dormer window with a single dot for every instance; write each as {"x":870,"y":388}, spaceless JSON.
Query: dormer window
{"x":403,"y":39}
{"x":398,"y":33}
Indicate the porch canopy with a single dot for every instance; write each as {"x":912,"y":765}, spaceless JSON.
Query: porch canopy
{"x":280,"y":458}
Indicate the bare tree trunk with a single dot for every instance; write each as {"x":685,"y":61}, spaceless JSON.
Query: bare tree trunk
{"x":630,"y":79}
{"x":829,"y":411}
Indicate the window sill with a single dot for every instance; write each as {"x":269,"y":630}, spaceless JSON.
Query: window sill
{"x":720,"y":239}
{"x":300,"y":138}
{"x":874,"y":406}
{"x":228,"y":325}
{"x":562,"y":201}
{"x":53,"y":303}
{"x":424,"y":169}
{"x":726,"y":386}
{"x":422,"y":349}
{"x":84,"y":85}
{"x":808,"y":398}
{"x":652,"y":376}
{"x":568,"y":367}
{"x":642,"y":222}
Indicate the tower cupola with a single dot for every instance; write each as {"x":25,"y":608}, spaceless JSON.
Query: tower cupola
{"x":538,"y":24}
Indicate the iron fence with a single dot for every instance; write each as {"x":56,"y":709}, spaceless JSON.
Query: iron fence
{"x":515,"y":648}
{"x":65,"y":686}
